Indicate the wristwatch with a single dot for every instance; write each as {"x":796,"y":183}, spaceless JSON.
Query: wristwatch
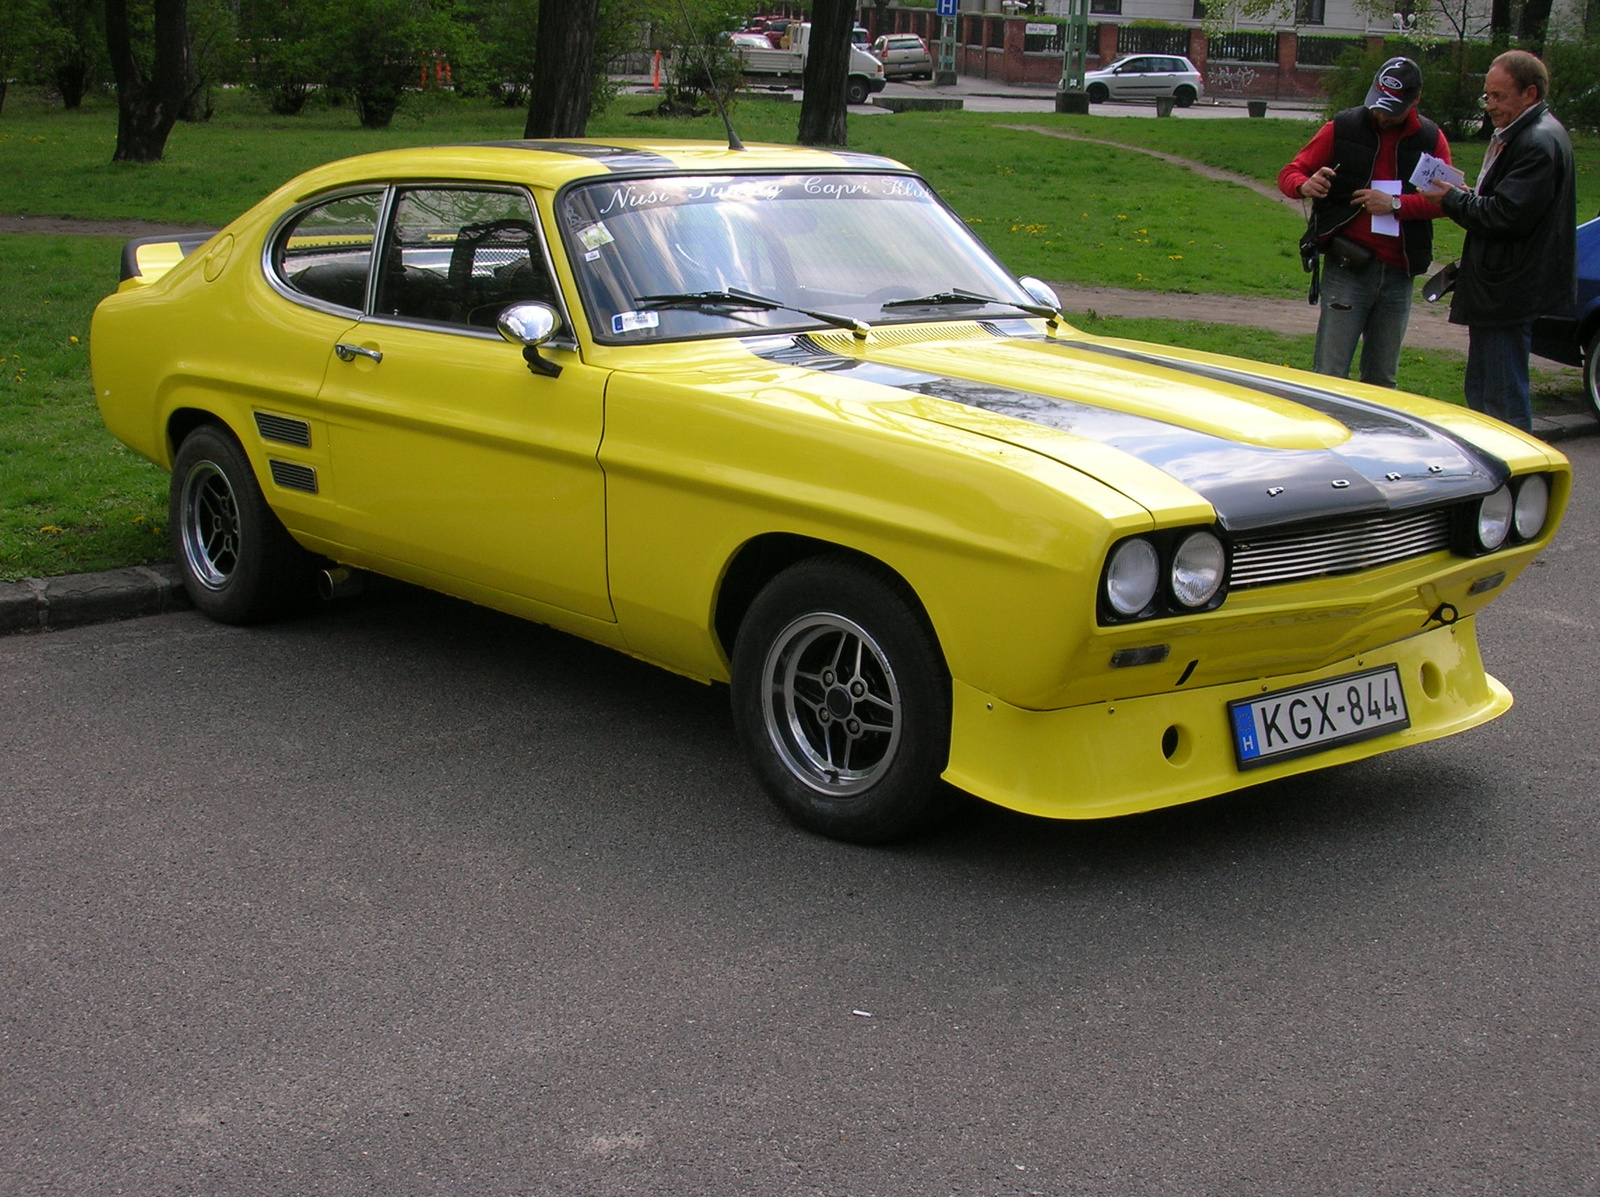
{"x":1394,"y":203}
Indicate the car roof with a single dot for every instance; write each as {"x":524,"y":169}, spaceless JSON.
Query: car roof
{"x":554,"y":163}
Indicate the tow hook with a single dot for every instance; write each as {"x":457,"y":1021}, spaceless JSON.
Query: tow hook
{"x":1444,"y":614}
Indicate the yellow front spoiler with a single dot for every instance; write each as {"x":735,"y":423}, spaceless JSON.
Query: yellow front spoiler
{"x":1137,"y":754}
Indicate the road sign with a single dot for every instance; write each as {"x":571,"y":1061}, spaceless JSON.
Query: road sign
{"x":947,"y":8}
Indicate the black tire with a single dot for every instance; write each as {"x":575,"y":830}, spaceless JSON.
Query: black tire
{"x":842,"y":701}
{"x":239,"y":564}
{"x":1591,"y":371}
{"x":856,"y":91}
{"x":1098,"y":93}
{"x":1184,"y":97}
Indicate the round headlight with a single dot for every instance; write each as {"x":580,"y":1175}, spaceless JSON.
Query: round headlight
{"x":1132,"y":576}
{"x":1533,"y":504}
{"x":1494,"y":519}
{"x":1197,"y":569}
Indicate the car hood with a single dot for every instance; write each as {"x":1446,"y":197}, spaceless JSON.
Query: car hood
{"x":1261,"y":446}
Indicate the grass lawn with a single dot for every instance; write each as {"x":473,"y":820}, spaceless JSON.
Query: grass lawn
{"x":74,"y":500}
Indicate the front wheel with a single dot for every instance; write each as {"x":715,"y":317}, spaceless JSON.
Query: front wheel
{"x":1184,"y":97}
{"x":1591,"y":371}
{"x":856,"y":91}
{"x":842,"y":701}
{"x":1098,"y":93}
{"x":239,"y":565}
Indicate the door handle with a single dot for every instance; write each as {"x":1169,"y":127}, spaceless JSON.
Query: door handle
{"x":349,"y":353}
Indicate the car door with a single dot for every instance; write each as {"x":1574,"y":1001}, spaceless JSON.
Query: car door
{"x":320,"y":260}
{"x":452,"y":456}
{"x":1128,"y":82}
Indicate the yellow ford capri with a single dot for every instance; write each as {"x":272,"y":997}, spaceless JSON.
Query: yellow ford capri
{"x":775,"y":418}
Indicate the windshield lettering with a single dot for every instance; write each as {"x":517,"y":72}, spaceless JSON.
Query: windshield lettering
{"x":833,"y":188}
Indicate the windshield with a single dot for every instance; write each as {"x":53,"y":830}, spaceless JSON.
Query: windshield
{"x":647,"y":252}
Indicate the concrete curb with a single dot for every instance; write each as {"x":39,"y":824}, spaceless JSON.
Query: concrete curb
{"x":48,"y":604}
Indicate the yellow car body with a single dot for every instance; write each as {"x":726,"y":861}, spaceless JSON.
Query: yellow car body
{"x":646,"y":495}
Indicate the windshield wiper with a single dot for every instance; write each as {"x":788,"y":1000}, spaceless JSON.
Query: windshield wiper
{"x":733,"y":299}
{"x":960,"y":297}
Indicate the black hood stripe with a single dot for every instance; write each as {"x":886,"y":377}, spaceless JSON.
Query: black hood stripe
{"x":1392,"y":462}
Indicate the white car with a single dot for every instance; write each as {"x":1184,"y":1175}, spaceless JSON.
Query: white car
{"x":904,"y":56}
{"x":1146,"y":77}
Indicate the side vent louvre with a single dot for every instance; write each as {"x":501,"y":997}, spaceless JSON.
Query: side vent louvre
{"x":294,"y":476}
{"x":283,"y":430}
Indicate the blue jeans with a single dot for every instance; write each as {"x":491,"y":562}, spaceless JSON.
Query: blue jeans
{"x":1497,"y":372}
{"x":1373,"y":306}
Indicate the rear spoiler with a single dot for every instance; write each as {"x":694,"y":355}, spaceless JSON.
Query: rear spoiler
{"x":148,"y":258}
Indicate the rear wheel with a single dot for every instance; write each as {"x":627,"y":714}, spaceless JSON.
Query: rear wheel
{"x":239,"y":565}
{"x":1098,"y":93}
{"x":842,"y":701}
{"x":1184,"y":97}
{"x":1591,"y":371}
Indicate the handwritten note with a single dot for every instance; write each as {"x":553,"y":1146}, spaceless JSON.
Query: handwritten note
{"x":1430,"y":169}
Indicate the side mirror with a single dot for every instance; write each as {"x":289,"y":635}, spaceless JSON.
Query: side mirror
{"x":1045,"y":296}
{"x":531,"y":325}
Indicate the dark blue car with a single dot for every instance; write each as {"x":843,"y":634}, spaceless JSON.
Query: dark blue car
{"x":1575,"y":337}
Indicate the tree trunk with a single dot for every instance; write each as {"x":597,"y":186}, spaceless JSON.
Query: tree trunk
{"x":147,"y":106}
{"x":1499,"y":20}
{"x":823,"y":111}
{"x":72,"y":80}
{"x":563,"y":69}
{"x":1535,"y":16}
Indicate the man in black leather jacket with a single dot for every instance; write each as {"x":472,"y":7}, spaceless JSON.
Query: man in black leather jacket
{"x":1520,"y":257}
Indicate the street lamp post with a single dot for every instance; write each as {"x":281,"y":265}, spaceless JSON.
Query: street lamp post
{"x":1070,"y":95}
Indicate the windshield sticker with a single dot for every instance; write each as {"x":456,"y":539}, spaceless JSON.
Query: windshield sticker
{"x":612,"y":199}
{"x":626,"y":322}
{"x":595,"y":236}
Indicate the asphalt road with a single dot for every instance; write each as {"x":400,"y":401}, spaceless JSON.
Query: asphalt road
{"x":413,"y":898}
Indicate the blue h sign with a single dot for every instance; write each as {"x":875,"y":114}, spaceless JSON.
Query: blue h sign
{"x":947,"y":8}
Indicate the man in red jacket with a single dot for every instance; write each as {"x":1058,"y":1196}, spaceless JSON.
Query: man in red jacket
{"x":1373,"y":228}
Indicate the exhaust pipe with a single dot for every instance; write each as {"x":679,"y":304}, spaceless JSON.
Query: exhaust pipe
{"x":339,"y":582}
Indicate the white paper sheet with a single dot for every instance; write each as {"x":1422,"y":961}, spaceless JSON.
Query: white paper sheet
{"x":1386,"y":225}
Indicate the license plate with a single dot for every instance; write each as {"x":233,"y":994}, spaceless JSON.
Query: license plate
{"x":1318,"y":716}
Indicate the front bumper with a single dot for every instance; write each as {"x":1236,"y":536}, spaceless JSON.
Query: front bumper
{"x":1137,"y":754}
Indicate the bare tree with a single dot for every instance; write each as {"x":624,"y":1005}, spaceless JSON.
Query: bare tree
{"x":563,"y":69}
{"x":824,"y":109}
{"x":148,"y":102}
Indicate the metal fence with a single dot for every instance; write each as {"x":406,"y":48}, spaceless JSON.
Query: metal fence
{"x":1317,"y":50}
{"x":1145,"y":39}
{"x":1242,"y":46}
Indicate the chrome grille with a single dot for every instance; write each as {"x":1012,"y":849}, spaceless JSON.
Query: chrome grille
{"x":1342,"y":549}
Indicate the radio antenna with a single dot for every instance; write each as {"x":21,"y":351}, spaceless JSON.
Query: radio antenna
{"x":716,"y":96}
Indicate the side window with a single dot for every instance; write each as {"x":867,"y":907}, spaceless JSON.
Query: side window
{"x":327,"y":253}
{"x":461,"y":256}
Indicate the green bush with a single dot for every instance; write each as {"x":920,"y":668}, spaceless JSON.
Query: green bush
{"x":1575,"y":81}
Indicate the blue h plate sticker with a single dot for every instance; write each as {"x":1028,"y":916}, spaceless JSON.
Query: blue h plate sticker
{"x":1318,"y":716}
